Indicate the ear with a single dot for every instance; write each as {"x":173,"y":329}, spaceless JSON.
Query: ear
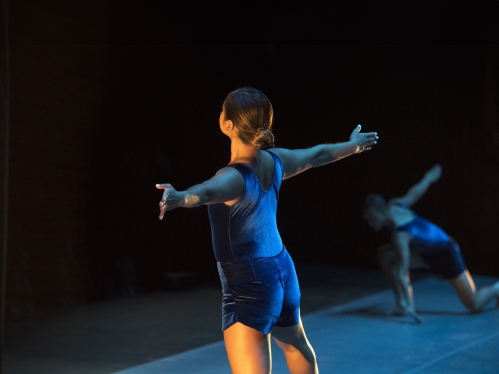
{"x":228,"y":125}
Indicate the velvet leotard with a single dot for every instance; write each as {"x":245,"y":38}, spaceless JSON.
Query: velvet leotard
{"x":259,"y":284}
{"x":436,"y":248}
{"x":424,"y":233}
{"x":248,"y":228}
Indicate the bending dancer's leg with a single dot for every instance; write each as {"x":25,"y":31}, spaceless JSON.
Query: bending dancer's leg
{"x":475,"y":300}
{"x":300,"y":355}
{"x":248,"y":350}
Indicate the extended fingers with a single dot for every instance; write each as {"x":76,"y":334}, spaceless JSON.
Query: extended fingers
{"x":416,"y":317}
{"x":163,"y":186}
{"x":162,"y":213}
{"x":369,"y":142}
{"x":371,"y":137}
{"x":162,"y":204}
{"x":163,"y":207}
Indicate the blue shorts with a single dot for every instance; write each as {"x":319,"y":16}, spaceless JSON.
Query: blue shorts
{"x":260,"y":292}
{"x":445,"y":262}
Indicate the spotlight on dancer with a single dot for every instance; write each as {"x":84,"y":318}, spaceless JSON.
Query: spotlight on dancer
{"x":261,"y":296}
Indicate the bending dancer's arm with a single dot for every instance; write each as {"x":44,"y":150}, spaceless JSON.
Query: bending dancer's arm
{"x":299,"y":160}
{"x":403,"y":288}
{"x":420,"y":188}
{"x":226,"y":185}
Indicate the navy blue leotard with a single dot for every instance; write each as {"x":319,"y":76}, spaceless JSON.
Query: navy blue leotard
{"x":436,"y":248}
{"x":259,"y":284}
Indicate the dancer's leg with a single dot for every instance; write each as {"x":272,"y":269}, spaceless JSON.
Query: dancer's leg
{"x":475,"y":300}
{"x":248,"y":350}
{"x":300,"y":355}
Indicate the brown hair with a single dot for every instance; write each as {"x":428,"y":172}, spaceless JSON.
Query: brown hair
{"x":251,"y":112}
{"x":375,"y":201}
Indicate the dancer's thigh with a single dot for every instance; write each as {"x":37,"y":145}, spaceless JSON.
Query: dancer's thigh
{"x":290,"y":337}
{"x":248,"y":350}
{"x":465,"y":288}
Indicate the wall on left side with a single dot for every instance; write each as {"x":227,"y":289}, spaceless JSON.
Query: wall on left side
{"x":59,"y":57}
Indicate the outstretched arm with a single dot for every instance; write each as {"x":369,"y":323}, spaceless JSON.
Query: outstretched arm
{"x":226,"y":185}
{"x":420,"y":188}
{"x":299,"y":160}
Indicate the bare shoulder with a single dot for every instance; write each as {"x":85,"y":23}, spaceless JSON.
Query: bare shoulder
{"x":396,"y":205}
{"x":394,"y":208}
{"x":228,"y":176}
{"x":227,"y":171}
{"x":280,"y":152}
{"x":400,"y":215}
{"x":294,"y":161}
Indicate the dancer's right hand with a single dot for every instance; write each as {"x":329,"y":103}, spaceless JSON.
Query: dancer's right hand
{"x":416,"y":316}
{"x":434,"y":173}
{"x":409,"y":312}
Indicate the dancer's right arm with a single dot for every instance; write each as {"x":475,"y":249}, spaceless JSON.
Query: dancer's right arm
{"x":406,"y":302}
{"x":227,"y":185}
{"x":420,"y":188}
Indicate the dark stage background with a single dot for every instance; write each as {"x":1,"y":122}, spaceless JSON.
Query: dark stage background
{"x":108,"y":99}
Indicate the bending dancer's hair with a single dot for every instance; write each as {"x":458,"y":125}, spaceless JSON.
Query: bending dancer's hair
{"x":411,"y":233}
{"x":259,"y":284}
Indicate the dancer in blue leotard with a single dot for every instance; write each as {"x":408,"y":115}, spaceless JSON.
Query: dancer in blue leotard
{"x":260,"y":290}
{"x":412,"y":233}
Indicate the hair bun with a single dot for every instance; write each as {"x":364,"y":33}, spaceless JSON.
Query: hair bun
{"x":264,"y":138}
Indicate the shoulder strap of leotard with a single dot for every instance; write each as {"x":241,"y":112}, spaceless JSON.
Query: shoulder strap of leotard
{"x":278,"y":168}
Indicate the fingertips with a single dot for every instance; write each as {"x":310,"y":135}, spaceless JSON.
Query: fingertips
{"x":163,"y":186}
{"x":162,"y":214}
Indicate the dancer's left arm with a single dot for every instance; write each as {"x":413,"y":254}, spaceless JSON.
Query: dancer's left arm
{"x":298,"y":160}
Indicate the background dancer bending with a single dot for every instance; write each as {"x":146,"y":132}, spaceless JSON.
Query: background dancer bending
{"x":260,"y":288}
{"x":411,"y":232}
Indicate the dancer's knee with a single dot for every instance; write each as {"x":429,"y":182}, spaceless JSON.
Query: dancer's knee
{"x":299,"y":344}
{"x":291,"y":339}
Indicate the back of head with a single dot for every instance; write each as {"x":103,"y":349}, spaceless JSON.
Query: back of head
{"x":374,"y":201}
{"x":251,"y":113}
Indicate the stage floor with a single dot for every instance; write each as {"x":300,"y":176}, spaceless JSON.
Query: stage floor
{"x":358,"y":337}
{"x":343,"y":314}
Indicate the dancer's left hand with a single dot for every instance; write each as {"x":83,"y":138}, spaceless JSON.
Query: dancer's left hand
{"x":171,"y":198}
{"x":363,"y":140}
